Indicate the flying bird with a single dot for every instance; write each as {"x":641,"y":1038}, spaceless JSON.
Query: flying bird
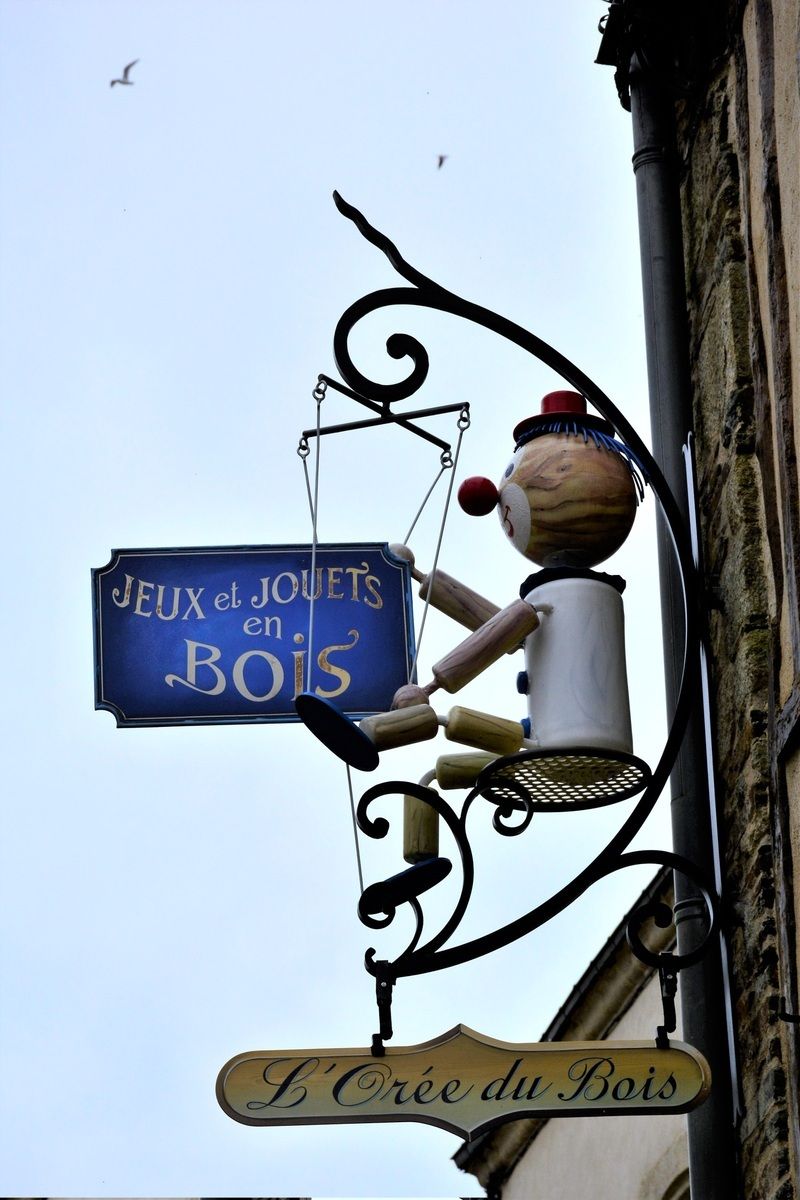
{"x":441,"y":161}
{"x":125,"y":79}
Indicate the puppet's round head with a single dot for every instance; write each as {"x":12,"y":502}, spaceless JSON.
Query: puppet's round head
{"x":568,"y":497}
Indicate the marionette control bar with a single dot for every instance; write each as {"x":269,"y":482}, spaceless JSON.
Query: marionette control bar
{"x":385,"y":416}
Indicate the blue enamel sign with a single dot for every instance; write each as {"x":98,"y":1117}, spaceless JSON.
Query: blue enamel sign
{"x":225,"y":634}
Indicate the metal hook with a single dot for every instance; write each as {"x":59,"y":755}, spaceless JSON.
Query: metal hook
{"x":668,"y":978}
{"x":384,"y":982}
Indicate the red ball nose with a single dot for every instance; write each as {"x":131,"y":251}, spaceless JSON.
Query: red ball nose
{"x":478,"y":496}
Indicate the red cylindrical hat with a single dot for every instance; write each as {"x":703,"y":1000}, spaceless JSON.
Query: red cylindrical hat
{"x":563,"y":402}
{"x":565,"y":405}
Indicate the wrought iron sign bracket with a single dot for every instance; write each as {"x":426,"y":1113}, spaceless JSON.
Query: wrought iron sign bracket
{"x":513,"y":797}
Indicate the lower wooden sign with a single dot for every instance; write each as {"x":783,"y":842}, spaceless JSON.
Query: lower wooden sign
{"x":462,"y":1081}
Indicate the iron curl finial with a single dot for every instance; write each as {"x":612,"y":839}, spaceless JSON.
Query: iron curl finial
{"x":398,"y":345}
{"x":377,"y":828}
{"x":664,"y":916}
{"x":435,"y":954}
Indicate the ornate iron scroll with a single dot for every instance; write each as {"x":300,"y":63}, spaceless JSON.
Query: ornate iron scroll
{"x":434,"y":954}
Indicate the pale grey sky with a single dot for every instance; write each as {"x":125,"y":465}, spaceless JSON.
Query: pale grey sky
{"x":172,"y":271}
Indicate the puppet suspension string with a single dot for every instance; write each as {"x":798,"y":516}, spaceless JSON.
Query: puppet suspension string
{"x":450,"y":463}
{"x":355,"y":831}
{"x":313,"y":501}
{"x":446,"y":461}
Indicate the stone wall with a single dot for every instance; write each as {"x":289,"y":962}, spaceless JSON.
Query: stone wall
{"x":740,"y":148}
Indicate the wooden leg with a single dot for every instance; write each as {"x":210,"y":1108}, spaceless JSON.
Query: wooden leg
{"x":484,"y":731}
{"x":420,"y":830}
{"x":401,"y":727}
{"x":460,"y":770}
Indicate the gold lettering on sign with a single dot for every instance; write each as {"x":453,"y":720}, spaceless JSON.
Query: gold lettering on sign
{"x":258,"y":675}
{"x":330,"y":668}
{"x":146,"y":604}
{"x":463,"y":1081}
{"x":361,"y":587}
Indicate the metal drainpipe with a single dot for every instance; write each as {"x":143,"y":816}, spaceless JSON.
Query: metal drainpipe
{"x":702,"y":988}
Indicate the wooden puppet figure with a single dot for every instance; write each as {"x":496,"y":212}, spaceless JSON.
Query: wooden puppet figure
{"x":566,"y":501}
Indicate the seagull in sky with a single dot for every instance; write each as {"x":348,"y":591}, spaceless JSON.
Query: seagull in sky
{"x":125,"y":79}
{"x":441,"y":161}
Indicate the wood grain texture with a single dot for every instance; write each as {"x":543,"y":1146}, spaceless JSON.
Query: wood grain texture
{"x":505,"y":631}
{"x":483,"y":730}
{"x":401,"y":727}
{"x":447,"y":594}
{"x":582,"y":500}
{"x":460,"y":770}
{"x":420,"y":830}
{"x":456,"y":600}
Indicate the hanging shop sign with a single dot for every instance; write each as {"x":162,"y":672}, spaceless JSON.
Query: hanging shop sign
{"x":225,"y":634}
{"x":462,"y":1081}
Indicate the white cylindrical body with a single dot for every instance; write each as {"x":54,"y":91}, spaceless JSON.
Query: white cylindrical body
{"x":575,"y":660}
